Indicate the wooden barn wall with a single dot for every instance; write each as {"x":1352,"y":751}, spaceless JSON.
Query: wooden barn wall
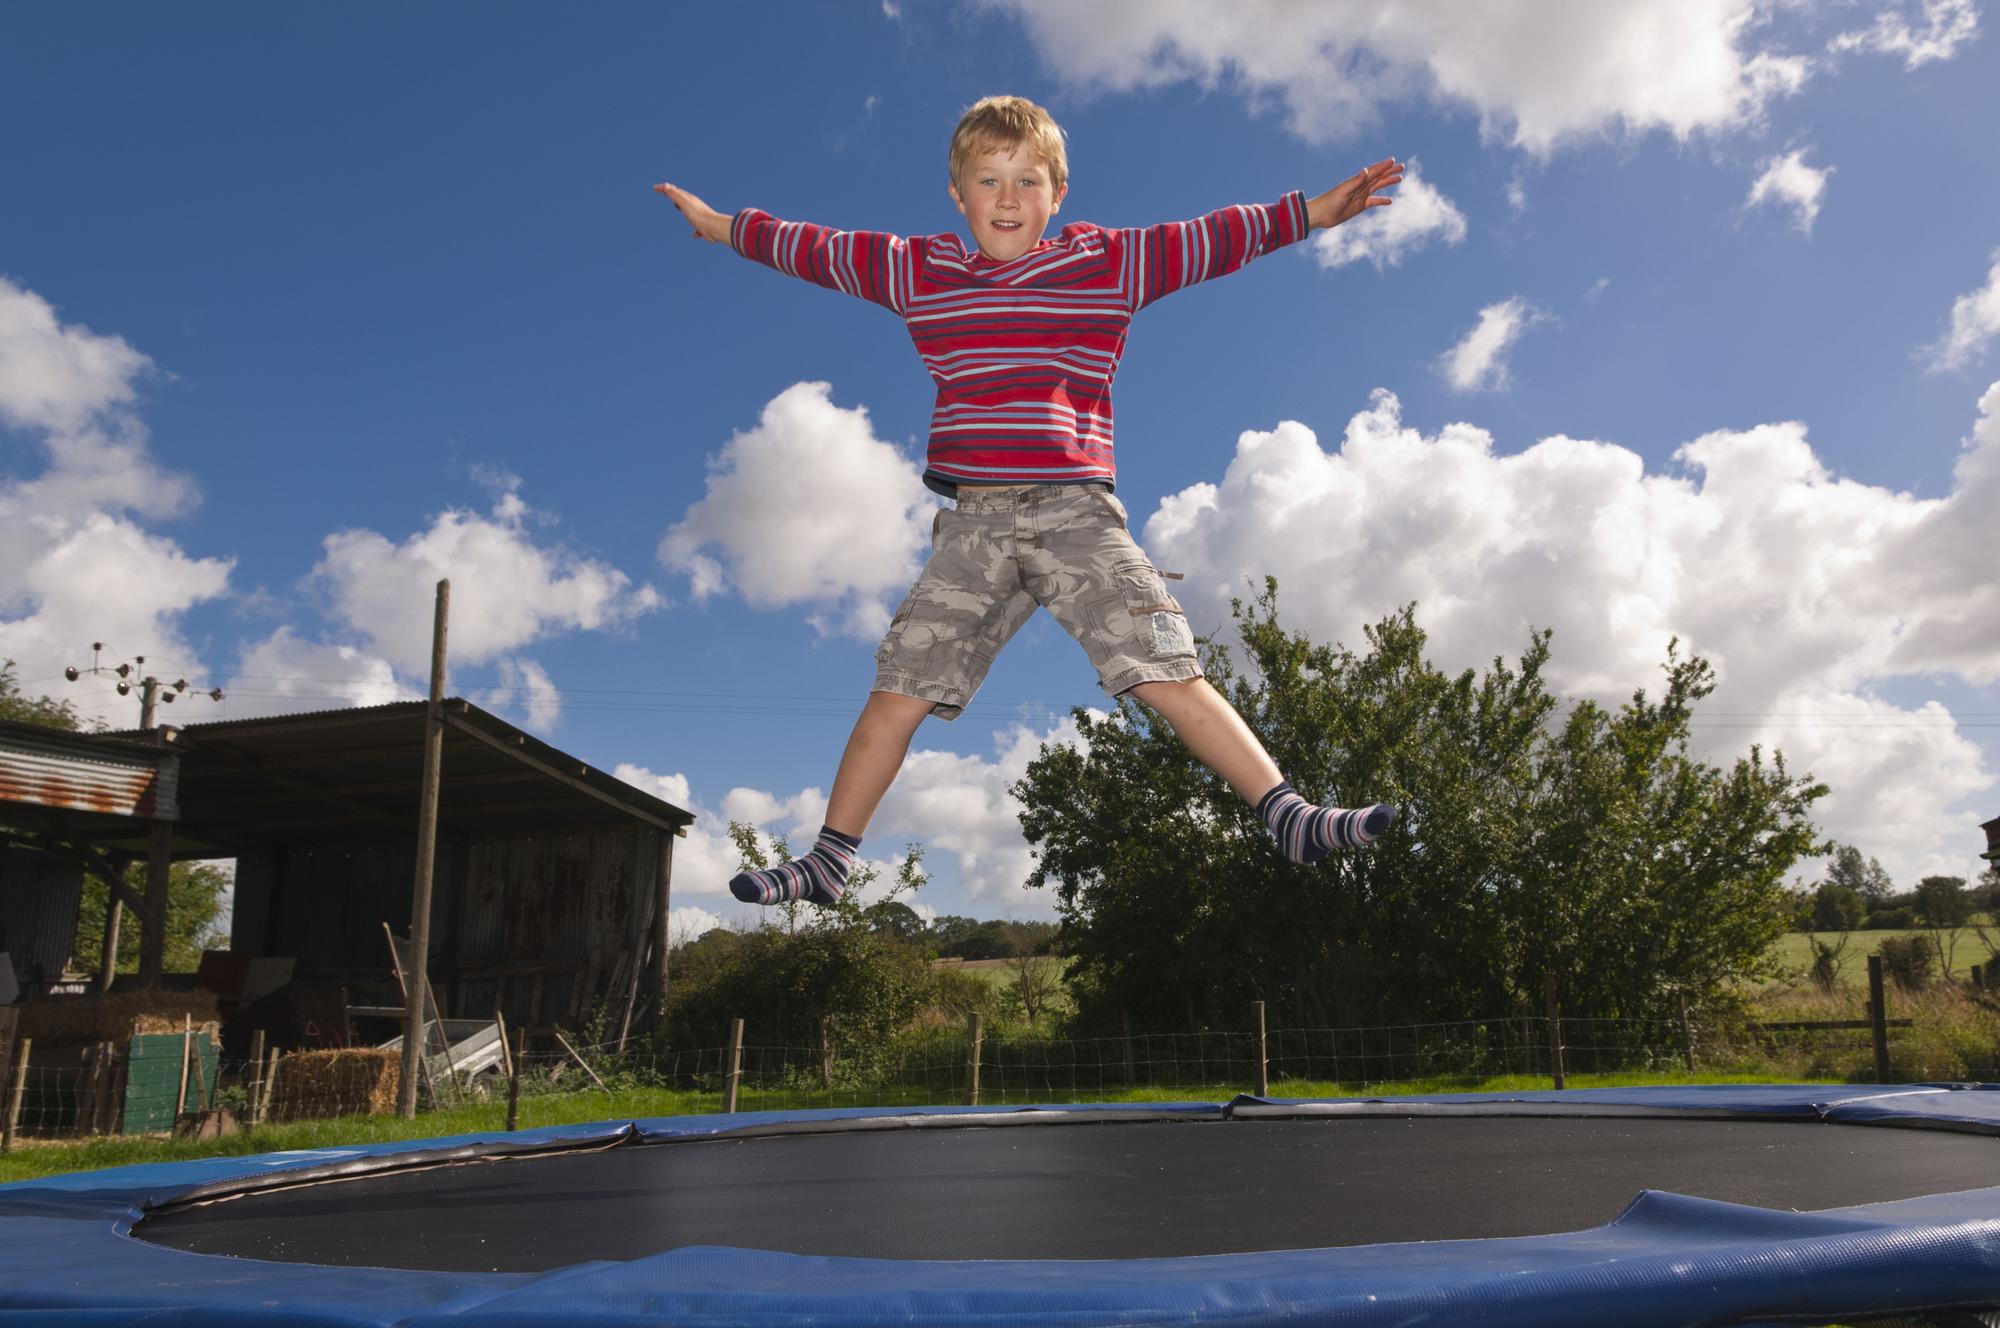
{"x":540,"y":927}
{"x":41,"y":895}
{"x":324,"y":905}
{"x":546,"y":926}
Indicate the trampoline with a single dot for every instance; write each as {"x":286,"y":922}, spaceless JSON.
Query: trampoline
{"x":1709,"y":1205}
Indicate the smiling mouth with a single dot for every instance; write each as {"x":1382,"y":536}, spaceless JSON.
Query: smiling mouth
{"x":1006,"y":225}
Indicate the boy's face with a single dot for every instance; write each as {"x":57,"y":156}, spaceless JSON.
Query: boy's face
{"x":1007,"y":195}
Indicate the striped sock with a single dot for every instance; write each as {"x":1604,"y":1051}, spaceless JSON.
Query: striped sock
{"x":1306,"y":833}
{"x":820,"y":877}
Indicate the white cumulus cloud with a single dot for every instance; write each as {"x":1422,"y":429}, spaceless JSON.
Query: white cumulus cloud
{"x":1975,"y":318}
{"x":958,"y":808}
{"x":1807,"y":591}
{"x":1942,"y":27}
{"x":1420,"y":216}
{"x":807,"y":508}
{"x":507,"y":589}
{"x":1478,"y":363}
{"x":1538,"y":73}
{"x":1788,"y":183}
{"x":77,"y":562}
{"x":285,"y":674}
{"x":525,"y":688}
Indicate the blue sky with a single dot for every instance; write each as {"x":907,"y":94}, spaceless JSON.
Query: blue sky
{"x":303,"y":307}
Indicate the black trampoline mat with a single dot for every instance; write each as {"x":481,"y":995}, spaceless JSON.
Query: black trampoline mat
{"x":1074,"y":1191}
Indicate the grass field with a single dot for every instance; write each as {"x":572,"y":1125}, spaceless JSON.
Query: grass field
{"x":1965,"y":946}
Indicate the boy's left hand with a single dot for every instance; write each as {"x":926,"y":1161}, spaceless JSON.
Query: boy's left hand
{"x":1355,"y":195}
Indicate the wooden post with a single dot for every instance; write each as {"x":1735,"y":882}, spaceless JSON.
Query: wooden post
{"x":1687,"y":1029}
{"x":735,"y":1066}
{"x":107,"y":968}
{"x":414,"y":982}
{"x":1125,"y":1019}
{"x":661,"y":936}
{"x":973,"y":1039}
{"x":270,"y":1084}
{"x":1555,"y":1027}
{"x":514,"y":1079}
{"x":1262,"y":1086}
{"x":1878,"y":1018}
{"x":187,"y":1044}
{"x":256,"y":1085}
{"x":14,"y":1093}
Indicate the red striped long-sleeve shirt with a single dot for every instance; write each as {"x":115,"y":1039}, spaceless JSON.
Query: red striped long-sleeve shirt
{"x":1023,"y":352}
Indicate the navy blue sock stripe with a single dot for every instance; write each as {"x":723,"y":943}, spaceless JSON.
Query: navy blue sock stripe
{"x":819,"y":877}
{"x":1306,"y":833}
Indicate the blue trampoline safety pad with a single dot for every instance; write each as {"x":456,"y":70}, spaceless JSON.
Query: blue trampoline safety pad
{"x":67,"y":1255}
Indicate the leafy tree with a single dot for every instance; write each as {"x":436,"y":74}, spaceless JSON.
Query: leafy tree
{"x":1944,"y":905}
{"x":1837,"y":907}
{"x":897,"y":920}
{"x":1986,"y":890}
{"x":195,"y":892}
{"x":24,"y":709}
{"x":1591,"y":845}
{"x":1943,"y":901}
{"x":1847,"y":867}
{"x":814,"y":984}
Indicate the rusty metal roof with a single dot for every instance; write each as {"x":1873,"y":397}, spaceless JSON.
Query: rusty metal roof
{"x":45,"y":772}
{"x":336,"y":775}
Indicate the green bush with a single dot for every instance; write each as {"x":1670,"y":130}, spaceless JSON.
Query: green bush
{"x":1908,"y":961}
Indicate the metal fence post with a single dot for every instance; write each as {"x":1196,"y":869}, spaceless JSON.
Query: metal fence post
{"x":1263,"y":1081}
{"x":1878,"y":1018}
{"x":1125,"y":1021}
{"x":1555,"y":1028}
{"x":735,"y":1066}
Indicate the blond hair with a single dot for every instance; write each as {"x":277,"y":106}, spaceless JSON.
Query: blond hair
{"x":1009,"y":122}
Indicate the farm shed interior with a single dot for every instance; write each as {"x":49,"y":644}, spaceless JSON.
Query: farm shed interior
{"x":551,"y":881}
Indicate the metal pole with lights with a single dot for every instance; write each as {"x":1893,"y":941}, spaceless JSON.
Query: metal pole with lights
{"x":159,"y":852}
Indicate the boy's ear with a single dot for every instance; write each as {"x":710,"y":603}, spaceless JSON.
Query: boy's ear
{"x":953,"y":187}
{"x":1056,"y":206}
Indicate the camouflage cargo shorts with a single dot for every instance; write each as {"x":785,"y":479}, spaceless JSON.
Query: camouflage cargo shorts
{"x":1000,"y":553}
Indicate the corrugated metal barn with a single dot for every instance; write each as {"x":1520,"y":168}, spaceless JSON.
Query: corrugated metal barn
{"x":71,"y":801}
{"x":552,"y":878}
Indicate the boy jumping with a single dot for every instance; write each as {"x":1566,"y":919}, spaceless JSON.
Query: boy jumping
{"x":1022,"y":336}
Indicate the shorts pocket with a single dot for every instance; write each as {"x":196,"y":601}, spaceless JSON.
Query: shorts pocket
{"x":1109,"y":502}
{"x":1158,"y":618}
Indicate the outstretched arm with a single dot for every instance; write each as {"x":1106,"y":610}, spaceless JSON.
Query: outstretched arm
{"x":1355,"y":195}
{"x":708,"y":224}
{"x":874,"y":266}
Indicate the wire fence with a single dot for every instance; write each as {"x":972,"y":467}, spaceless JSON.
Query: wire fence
{"x":183,"y":1084}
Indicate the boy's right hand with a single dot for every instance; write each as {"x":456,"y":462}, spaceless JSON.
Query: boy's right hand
{"x":708,"y":224}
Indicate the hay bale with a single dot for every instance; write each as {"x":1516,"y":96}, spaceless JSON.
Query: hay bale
{"x":116,"y":1016}
{"x":343,"y":1081}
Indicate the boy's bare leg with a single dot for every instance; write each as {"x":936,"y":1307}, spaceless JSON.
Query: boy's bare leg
{"x":1217,"y":735}
{"x":875,"y":752}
